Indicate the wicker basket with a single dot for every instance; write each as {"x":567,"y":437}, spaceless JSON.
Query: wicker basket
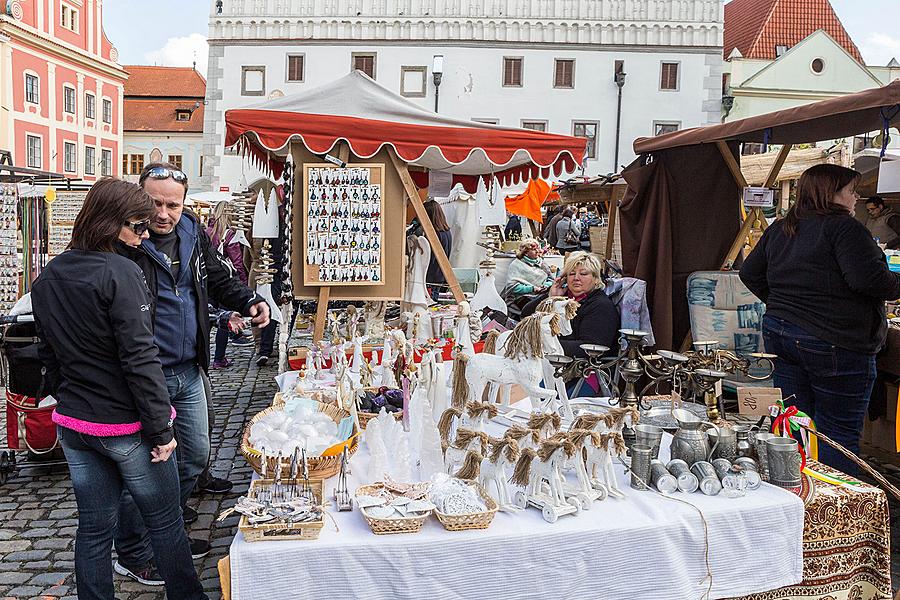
{"x":479,"y":520}
{"x":320,"y":467}
{"x":281,"y":530}
{"x":365,"y":417}
{"x":390,"y":526}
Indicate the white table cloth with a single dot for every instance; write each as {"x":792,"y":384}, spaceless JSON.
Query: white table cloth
{"x":642,"y":547}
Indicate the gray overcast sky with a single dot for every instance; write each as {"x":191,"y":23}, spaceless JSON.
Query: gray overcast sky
{"x":174,"y":32}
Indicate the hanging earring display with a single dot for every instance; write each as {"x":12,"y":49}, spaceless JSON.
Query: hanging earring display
{"x":9,"y":260}
{"x":342,"y":209}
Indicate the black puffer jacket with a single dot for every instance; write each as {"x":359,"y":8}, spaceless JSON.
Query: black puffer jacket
{"x":92,"y":312}
{"x":213,"y":279}
{"x":596,"y":322}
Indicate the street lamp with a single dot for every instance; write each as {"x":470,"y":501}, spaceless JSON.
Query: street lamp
{"x":620,"y":83}
{"x":437,"y":71}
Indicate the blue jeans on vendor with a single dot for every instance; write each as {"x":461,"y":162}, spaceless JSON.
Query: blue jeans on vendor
{"x":830,"y":384}
{"x":188,"y":398}
{"x":101,"y":468}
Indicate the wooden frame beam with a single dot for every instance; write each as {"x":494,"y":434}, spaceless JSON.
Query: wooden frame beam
{"x":436,"y":249}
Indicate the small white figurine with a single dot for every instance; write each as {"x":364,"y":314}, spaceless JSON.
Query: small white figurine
{"x":534,"y":470}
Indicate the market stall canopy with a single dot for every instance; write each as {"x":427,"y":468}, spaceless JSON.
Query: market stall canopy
{"x":845,"y":116}
{"x":369,"y":117}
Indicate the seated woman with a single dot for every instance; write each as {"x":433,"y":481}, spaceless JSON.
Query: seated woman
{"x":597,"y":320}
{"x":527,"y":274}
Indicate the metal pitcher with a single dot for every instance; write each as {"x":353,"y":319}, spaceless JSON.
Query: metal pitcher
{"x":690,"y":443}
{"x":745,"y":440}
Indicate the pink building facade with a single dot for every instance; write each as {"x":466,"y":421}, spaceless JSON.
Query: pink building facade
{"x":63,"y":87}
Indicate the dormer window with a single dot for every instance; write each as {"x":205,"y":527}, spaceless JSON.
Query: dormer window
{"x":780,"y":50}
{"x":182,"y":115}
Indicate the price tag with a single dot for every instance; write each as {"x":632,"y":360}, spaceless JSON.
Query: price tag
{"x":755,"y":401}
{"x":676,"y":400}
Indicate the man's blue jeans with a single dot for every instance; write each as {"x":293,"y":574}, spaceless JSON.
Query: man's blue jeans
{"x":830,"y":384}
{"x":186,"y":392}
{"x":101,"y":468}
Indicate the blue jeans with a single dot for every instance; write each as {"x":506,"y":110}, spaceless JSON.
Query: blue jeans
{"x":830,"y":384}
{"x":101,"y":468}
{"x":222,"y":336}
{"x":188,"y":397}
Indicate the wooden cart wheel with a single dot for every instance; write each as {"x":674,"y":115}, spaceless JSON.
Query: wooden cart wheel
{"x":549,"y":514}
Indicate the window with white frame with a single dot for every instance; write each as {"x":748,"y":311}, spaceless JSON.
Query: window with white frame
{"x":69,"y":99}
{"x":564,"y":73}
{"x":412,"y":81}
{"x":512,"y":71}
{"x":295,"y":67}
{"x":90,"y":106}
{"x":668,"y":77}
{"x":486,"y":121}
{"x":534,"y":125}
{"x":176,"y":160}
{"x":33,"y":151}
{"x":132,"y":164}
{"x":107,"y":110}
{"x":70,"y":157}
{"x":587,"y":129}
{"x":90,"y":160}
{"x":32,"y":88}
{"x":664,"y":127}
{"x":253,"y":81}
{"x":363,"y":61}
{"x":106,"y":163}
{"x":68,"y":17}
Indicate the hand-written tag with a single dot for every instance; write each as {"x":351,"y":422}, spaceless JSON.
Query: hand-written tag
{"x":676,"y":400}
{"x":755,"y":401}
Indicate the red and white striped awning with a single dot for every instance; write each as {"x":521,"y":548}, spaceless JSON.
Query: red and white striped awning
{"x":369,"y":117}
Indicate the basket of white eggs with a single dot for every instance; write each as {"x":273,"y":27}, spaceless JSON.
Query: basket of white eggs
{"x":314,"y":426}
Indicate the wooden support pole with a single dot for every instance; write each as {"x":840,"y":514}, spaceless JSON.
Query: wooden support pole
{"x":785,"y":194}
{"x":321,"y":313}
{"x":611,"y":231}
{"x":436,"y":249}
{"x":776,"y":166}
{"x":732,"y":164}
{"x":738,"y":243}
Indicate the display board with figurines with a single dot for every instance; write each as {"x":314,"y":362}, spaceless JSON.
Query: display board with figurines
{"x":343,"y":238}
{"x":9,"y":260}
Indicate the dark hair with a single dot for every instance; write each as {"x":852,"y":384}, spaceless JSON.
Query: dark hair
{"x":815,"y":193}
{"x":436,"y":216}
{"x":568,"y":212}
{"x":145,"y":174}
{"x":876,"y":200}
{"x":108,"y":205}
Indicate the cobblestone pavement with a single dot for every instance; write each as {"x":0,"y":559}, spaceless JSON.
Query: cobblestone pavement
{"x":38,"y":513}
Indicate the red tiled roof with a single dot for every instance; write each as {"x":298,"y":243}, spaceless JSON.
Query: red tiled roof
{"x":160,"y":115}
{"x":172,"y":82}
{"x":755,"y":27}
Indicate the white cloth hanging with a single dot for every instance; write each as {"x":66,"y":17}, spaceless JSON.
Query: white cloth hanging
{"x":265,"y":290}
{"x":486,"y":294}
{"x":265,"y":216}
{"x":491,"y":208}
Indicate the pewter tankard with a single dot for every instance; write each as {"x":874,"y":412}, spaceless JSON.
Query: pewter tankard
{"x":690,"y":442}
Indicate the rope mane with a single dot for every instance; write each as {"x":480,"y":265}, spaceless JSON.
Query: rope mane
{"x":525,"y":339}
{"x":522,"y":470}
{"x":498,"y":447}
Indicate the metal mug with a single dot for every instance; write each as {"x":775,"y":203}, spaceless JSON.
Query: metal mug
{"x":649,"y":435}
{"x":762,"y":453}
{"x":709,"y":480}
{"x":784,"y":462}
{"x":661,"y":479}
{"x":640,"y":466}
{"x":727,"y":443}
{"x":687,"y":481}
{"x":744,"y":446}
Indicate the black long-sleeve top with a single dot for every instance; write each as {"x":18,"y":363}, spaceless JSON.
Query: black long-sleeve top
{"x":830,"y":279}
{"x":596,"y":322}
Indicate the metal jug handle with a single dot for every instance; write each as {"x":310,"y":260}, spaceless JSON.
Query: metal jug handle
{"x":751,"y":434}
{"x":714,"y":446}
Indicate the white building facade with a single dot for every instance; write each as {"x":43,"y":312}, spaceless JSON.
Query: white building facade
{"x":542,"y":64}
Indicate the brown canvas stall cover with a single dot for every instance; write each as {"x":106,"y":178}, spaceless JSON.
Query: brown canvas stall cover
{"x":842,"y":117}
{"x":671,"y":228}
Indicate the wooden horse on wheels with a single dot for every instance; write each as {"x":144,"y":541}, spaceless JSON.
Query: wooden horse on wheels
{"x":534,"y":470}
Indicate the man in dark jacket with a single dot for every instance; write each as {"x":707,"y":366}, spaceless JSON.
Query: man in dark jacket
{"x":183,"y":271}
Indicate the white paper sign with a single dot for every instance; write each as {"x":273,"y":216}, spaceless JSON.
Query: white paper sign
{"x":759,"y":197}
{"x":889,"y":177}
{"x":439,"y":183}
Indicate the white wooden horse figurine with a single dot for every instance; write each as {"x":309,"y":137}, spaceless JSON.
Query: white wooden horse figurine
{"x":466,"y":441}
{"x":497,"y":468}
{"x":613,"y":420}
{"x":520,"y":364}
{"x":599,"y":462}
{"x":524,"y":437}
{"x":535,"y":469}
{"x":478,"y":414}
{"x":585,"y":441}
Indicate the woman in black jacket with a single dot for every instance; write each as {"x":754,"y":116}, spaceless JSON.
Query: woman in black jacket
{"x":114,"y":420}
{"x":824,"y":281}
{"x":597,"y":319}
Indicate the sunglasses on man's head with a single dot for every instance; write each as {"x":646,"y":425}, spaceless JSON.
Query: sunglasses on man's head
{"x":138,"y":227}
{"x":165,"y":173}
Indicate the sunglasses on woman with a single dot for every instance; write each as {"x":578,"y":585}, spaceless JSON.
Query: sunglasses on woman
{"x":165,"y":173}
{"x":138,"y":227}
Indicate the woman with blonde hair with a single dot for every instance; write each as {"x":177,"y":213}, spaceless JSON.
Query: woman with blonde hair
{"x":224,"y":237}
{"x":824,"y":281}
{"x":528,"y":274}
{"x":597,"y":320}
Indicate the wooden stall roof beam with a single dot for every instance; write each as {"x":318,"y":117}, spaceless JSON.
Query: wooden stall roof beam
{"x":753,"y":215}
{"x":436,"y":249}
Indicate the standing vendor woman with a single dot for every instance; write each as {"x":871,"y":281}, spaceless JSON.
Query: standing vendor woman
{"x":824,"y":281}
{"x":597,"y":319}
{"x":114,"y":420}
